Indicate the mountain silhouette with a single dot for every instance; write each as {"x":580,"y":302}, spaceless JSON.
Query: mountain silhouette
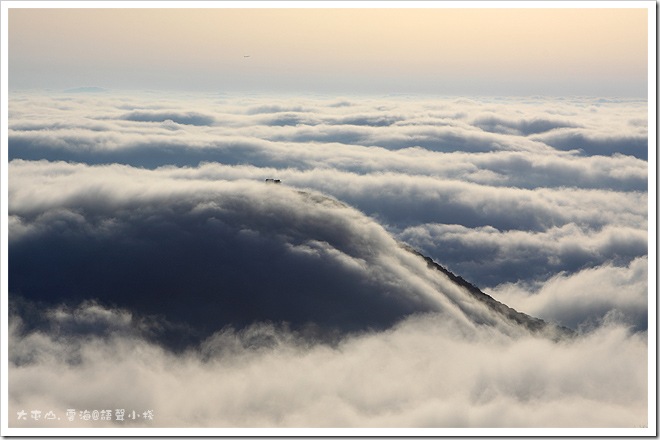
{"x":242,"y":254}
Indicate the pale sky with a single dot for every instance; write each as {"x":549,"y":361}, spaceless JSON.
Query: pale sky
{"x":600,"y":52}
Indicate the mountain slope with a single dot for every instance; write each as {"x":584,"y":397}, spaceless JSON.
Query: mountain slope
{"x":531,"y":323}
{"x":199,"y":258}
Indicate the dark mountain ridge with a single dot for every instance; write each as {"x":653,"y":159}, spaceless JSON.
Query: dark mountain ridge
{"x":534,"y":325}
{"x":234,"y":257}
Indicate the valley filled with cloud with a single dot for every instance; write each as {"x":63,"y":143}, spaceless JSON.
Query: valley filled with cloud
{"x":149,"y":258}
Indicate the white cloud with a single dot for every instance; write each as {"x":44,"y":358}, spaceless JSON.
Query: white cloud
{"x":586,"y":298}
{"x":430,"y":137}
{"x":495,"y":256}
{"x":423,"y":373}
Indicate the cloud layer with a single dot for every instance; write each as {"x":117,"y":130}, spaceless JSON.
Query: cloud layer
{"x":422,"y":373}
{"x":296,"y":304}
{"x":215,"y":254}
{"x":422,"y":163}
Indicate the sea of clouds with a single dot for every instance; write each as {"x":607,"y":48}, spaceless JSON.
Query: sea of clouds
{"x":151,"y":267}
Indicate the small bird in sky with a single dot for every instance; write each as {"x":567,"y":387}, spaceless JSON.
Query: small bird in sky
{"x":246,"y":56}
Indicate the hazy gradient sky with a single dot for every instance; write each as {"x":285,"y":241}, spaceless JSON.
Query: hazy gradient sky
{"x":600,"y":52}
